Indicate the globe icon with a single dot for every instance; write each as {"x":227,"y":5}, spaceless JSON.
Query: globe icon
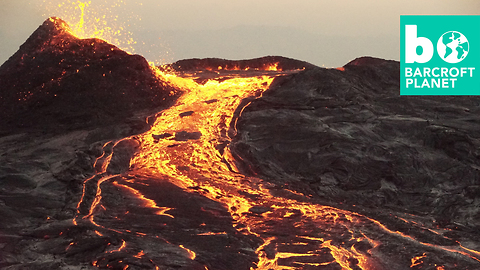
{"x":452,"y":47}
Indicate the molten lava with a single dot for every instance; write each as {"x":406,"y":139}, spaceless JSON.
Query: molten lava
{"x":189,"y":144}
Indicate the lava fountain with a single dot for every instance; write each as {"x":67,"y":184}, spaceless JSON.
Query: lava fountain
{"x":105,"y":20}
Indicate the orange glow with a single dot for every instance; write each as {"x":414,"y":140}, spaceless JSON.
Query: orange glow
{"x":98,"y":196}
{"x":341,"y":255}
{"x":83,"y":193}
{"x":97,"y":19}
{"x":122,"y":247}
{"x":191,"y":160}
{"x":470,"y":250}
{"x":214,"y":124}
{"x":148,"y":203}
{"x":70,"y":245}
{"x":469,"y":254}
{"x":191,"y":254}
{"x":272,"y":67}
{"x":212,"y":233}
{"x":139,"y":255}
{"x":417,"y":260}
{"x":263,"y":261}
{"x":221,"y":180}
{"x":196,"y":162}
{"x":264,"y":67}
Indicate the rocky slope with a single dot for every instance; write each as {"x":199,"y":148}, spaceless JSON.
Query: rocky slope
{"x":61,"y":99}
{"x":57,"y":82}
{"x":346,"y":136}
{"x":217,"y":64}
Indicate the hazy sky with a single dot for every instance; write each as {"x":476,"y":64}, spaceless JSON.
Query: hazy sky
{"x":323,"y":32}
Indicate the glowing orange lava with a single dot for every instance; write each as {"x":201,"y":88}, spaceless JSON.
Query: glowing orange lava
{"x":418,"y":260}
{"x":148,"y":203}
{"x":98,"y":19}
{"x":195,"y":133}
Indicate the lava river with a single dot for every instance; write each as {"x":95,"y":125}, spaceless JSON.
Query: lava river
{"x":183,"y":189}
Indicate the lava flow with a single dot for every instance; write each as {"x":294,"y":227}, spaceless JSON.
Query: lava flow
{"x":183,"y":189}
{"x":193,"y":152}
{"x":188,"y":145}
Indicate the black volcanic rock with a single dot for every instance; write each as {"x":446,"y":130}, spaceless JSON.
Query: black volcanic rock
{"x":349,"y":137}
{"x":185,"y":136}
{"x":262,"y":63}
{"x":57,"y":81}
{"x":61,"y":99}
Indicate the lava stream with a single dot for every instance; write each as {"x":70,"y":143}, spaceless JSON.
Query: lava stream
{"x":189,"y":144}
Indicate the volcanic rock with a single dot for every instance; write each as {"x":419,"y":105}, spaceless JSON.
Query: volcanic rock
{"x":56,"y":81}
{"x":161,"y":136}
{"x":61,"y":99}
{"x":122,"y":154}
{"x":185,"y":136}
{"x":262,"y":63}
{"x":347,"y":137}
{"x":185,"y":114}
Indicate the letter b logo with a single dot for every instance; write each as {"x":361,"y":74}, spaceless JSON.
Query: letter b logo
{"x":411,"y":44}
